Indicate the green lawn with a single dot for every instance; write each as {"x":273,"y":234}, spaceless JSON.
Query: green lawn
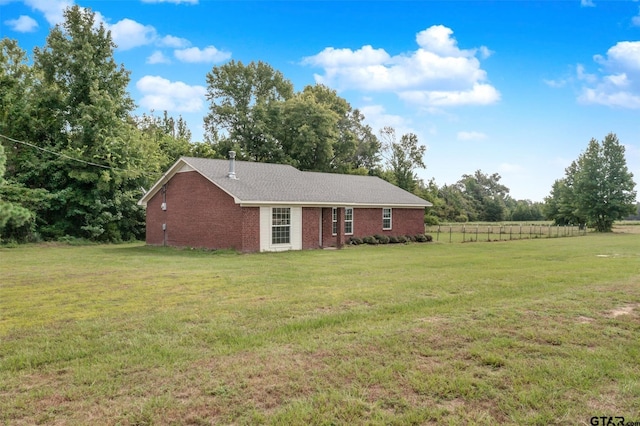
{"x":540,"y":331}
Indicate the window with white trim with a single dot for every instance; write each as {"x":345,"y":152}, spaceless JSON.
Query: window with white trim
{"x":348,"y":220}
{"x":386,"y":218}
{"x":334,"y":221}
{"x":281,"y":225}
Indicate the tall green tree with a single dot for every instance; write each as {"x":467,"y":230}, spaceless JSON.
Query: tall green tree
{"x":560,"y":205}
{"x":309,"y":133}
{"x":403,"y":157}
{"x":17,"y":94}
{"x":244,"y":107}
{"x":598,"y":185}
{"x":172,"y":137}
{"x":14,"y":219}
{"x":526,"y":210}
{"x":83,"y":111}
{"x":486,"y":196}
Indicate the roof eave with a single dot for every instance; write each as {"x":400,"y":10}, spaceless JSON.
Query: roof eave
{"x":333,"y":204}
{"x":170,"y":173}
{"x":163,"y":180}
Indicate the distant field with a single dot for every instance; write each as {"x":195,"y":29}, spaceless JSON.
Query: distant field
{"x":540,"y":331}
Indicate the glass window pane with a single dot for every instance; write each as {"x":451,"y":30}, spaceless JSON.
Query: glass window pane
{"x":281,"y":225}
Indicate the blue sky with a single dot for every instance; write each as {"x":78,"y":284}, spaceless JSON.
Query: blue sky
{"x":510,"y":87}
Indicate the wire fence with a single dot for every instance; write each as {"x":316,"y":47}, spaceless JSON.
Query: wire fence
{"x":474,"y":233}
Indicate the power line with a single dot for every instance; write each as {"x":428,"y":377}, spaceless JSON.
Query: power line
{"x":59,"y":154}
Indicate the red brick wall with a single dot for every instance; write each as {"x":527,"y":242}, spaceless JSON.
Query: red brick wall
{"x":155,"y":218}
{"x":250,"y":229}
{"x":368,"y":222}
{"x":311,"y":227}
{"x":199,"y":214}
{"x":328,"y":240}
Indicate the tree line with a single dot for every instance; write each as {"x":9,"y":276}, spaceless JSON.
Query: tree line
{"x":74,"y":159}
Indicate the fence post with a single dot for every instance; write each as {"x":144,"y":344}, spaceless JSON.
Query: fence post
{"x":464,"y":229}
{"x":449,"y":233}
{"x":438,"y":234}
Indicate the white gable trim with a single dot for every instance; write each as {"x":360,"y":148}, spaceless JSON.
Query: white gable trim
{"x":180,"y":166}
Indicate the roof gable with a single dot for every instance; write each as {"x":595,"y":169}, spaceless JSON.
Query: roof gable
{"x":266,"y":183}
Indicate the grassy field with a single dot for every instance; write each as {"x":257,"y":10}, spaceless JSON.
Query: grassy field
{"x":541,"y":331}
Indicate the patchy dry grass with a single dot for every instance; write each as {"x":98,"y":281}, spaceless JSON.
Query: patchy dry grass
{"x":520,"y":332}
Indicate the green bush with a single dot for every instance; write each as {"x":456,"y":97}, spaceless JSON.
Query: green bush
{"x":382,"y":239}
{"x":401,"y":239}
{"x":355,"y":241}
{"x":431,"y":220}
{"x":370,"y":240}
{"x":393,"y":240}
{"x":420,"y":238}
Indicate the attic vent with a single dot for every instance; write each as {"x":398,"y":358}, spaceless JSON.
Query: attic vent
{"x":232,"y":165}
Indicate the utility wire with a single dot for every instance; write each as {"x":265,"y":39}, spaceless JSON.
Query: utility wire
{"x":59,"y":154}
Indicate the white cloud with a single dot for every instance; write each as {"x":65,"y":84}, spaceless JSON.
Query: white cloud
{"x":53,"y":10}
{"x":175,"y":42}
{"x":636,"y":19}
{"x":333,"y":58}
{"x":604,"y":96}
{"x":581,"y":74}
{"x":161,"y":94}
{"x":128,"y":34}
{"x":485,"y":52}
{"x":479,"y":94}
{"x":24,"y":24}
{"x":587,"y":3}
{"x":556,"y":84}
{"x":438,"y":73}
{"x":618,"y":82}
{"x":624,"y":55}
{"x":471,"y":136}
{"x":208,"y":54}
{"x":377,"y":117}
{"x":437,"y":39}
{"x":158,"y":57}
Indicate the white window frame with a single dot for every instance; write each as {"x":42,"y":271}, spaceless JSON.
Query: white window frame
{"x":348,"y":221}
{"x":389,"y":218}
{"x":334,"y":221}
{"x":274,"y":225}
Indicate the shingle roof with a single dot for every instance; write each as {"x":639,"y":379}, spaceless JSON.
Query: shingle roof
{"x":265,"y":183}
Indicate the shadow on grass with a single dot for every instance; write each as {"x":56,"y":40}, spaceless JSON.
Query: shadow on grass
{"x":140,"y":249}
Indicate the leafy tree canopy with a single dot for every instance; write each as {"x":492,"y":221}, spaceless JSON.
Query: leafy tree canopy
{"x":597,"y":188}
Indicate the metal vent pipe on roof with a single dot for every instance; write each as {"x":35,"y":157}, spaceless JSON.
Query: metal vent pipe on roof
{"x":232,"y":165}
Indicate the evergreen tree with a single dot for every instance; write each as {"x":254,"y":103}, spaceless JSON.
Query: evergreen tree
{"x":83,"y":113}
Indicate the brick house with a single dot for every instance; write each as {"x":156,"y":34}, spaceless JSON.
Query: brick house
{"x":253,"y":207}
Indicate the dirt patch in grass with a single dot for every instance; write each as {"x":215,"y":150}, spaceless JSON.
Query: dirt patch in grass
{"x":622,"y":310}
